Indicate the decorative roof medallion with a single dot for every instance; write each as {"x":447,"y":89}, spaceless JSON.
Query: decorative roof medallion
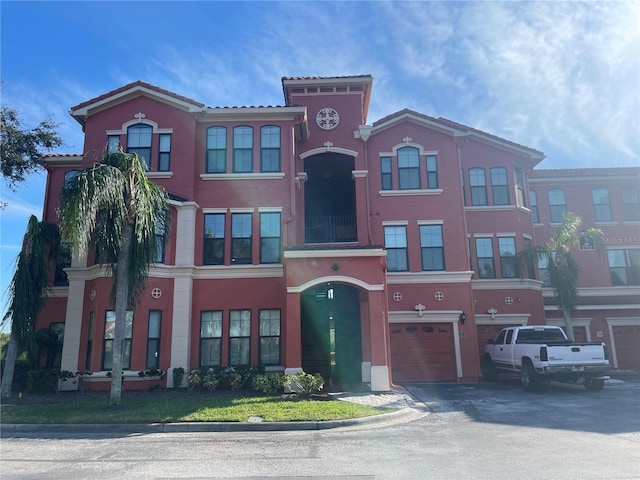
{"x":327,"y":118}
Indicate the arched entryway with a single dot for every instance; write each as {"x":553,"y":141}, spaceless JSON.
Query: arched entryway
{"x":331,"y":334}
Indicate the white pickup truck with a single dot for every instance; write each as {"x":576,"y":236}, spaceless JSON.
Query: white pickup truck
{"x":543,"y":353}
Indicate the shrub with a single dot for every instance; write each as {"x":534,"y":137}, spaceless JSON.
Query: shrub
{"x":269,"y":384}
{"x":43,"y":381}
{"x":205,"y":378}
{"x":242,"y":375}
{"x":305,"y":383}
{"x":178,"y":376}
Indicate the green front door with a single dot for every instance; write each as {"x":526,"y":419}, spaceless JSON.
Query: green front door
{"x":331,"y":336}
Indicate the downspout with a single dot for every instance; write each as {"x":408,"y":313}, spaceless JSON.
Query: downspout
{"x":459,"y":144}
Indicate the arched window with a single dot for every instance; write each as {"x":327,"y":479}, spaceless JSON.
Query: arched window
{"x":139,"y":141}
{"x":408,"y":168}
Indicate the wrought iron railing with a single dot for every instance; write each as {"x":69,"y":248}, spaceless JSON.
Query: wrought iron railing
{"x":331,"y":229}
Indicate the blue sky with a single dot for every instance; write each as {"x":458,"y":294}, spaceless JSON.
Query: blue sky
{"x":561,"y":77}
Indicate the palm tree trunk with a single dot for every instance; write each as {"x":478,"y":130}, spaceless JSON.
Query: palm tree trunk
{"x":568,"y":325}
{"x":9,"y":366}
{"x":122,"y":297}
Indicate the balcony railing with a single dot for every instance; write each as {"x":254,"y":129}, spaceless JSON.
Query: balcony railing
{"x":333,"y":229}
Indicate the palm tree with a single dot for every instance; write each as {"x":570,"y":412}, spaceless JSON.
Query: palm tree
{"x":114,"y":205}
{"x":28,"y":290}
{"x":562,"y":268}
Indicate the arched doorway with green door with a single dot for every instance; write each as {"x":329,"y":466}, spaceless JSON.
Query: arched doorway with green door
{"x":331,"y":334}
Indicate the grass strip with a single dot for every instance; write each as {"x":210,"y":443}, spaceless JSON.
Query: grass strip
{"x":187,"y":409}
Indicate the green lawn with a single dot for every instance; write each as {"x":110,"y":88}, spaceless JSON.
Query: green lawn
{"x":155,"y":408}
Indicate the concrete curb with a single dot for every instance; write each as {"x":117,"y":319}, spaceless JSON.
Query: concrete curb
{"x":405,"y":414}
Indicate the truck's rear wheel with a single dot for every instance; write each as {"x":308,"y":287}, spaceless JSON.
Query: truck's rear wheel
{"x":594,"y":384}
{"x":489,"y":371}
{"x":529,"y":378}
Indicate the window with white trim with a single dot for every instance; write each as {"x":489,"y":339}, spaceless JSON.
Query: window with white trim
{"x":153,"y":339}
{"x":164,"y":152}
{"x":241,"y":232}
{"x":109,"y":333}
{"x":432,"y":171}
{"x":386,"y":173}
{"x":432,"y":247}
{"x":213,"y":248}
{"x":507,"y":250}
{"x":210,"y":338}
{"x":395,"y":242}
{"x":408,"y":168}
{"x":601,"y":205}
{"x":624,"y":266}
{"x":557,"y":205}
{"x":139,"y":141}
{"x":499,"y":186}
{"x":216,"y":150}
{"x":484,"y":257}
{"x":113,"y":143}
{"x":270,"y":237}
{"x":269,"y":337}
{"x":270,"y":148}
{"x":478,"y":186}
{"x":242,"y":149}
{"x":533,"y":197}
{"x":239,"y":337}
{"x":522,"y":199}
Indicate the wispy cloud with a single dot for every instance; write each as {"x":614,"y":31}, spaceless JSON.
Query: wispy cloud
{"x":562,"y":73}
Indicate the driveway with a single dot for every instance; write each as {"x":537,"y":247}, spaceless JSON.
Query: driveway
{"x":614,"y":410}
{"x":484,"y":431}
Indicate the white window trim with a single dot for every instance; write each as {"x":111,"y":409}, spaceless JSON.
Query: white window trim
{"x":243,"y":176}
{"x":398,"y":193}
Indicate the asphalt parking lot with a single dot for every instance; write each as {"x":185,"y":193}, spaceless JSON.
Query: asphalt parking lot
{"x":614,"y":410}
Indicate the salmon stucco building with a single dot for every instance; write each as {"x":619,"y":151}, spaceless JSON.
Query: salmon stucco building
{"x":305,"y":238}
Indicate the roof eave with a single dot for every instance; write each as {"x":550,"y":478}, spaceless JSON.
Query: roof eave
{"x":82,"y":111}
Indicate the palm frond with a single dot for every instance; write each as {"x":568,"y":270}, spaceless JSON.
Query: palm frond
{"x":30,"y":283}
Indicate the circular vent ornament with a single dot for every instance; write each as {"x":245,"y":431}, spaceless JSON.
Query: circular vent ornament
{"x":327,"y":118}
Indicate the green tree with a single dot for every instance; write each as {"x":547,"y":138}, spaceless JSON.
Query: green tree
{"x":563,"y":270}
{"x":28,"y":290}
{"x":114,"y":205}
{"x":22,"y":147}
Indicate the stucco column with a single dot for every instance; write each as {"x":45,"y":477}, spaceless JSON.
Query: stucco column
{"x":182,"y":290}
{"x":379,"y":337}
{"x":73,"y":318}
{"x":292,"y":336}
{"x":360,"y":179}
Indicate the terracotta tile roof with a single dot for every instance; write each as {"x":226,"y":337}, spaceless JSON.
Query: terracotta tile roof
{"x":246,"y":107}
{"x":327,"y":78}
{"x":585,"y":172}
{"x":458,"y":126}
{"x":138,"y":83}
{"x":56,"y":155}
